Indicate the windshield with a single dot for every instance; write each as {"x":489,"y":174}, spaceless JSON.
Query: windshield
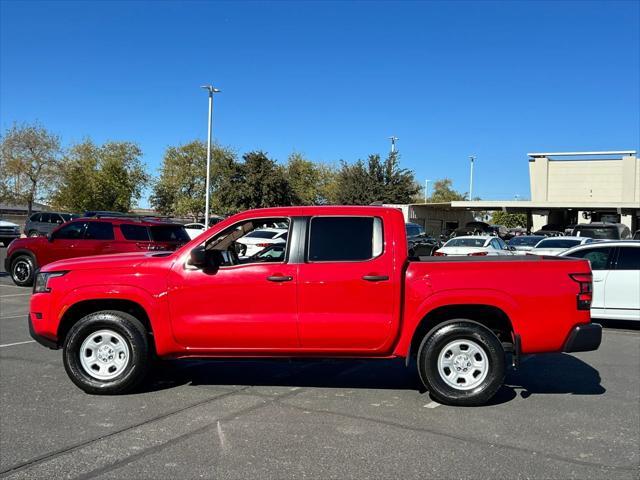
{"x":597,"y":232}
{"x":558,"y":243}
{"x":68,"y":216}
{"x":466,"y":242}
{"x":169,"y":233}
{"x":524,"y":241}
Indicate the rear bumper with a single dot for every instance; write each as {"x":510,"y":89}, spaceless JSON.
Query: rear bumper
{"x":40,"y":339}
{"x":584,"y":338}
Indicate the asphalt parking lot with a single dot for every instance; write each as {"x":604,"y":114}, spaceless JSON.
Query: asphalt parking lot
{"x":560,"y":416}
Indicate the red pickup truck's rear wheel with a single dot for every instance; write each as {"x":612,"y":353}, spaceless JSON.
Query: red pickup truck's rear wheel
{"x":462,"y":363}
{"x":106,"y":352}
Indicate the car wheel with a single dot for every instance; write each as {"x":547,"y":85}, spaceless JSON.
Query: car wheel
{"x":34,"y":233}
{"x":461,"y":363}
{"x":106,"y":353}
{"x":23,"y":270}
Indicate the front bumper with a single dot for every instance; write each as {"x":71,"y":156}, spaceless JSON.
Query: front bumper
{"x":584,"y":338}
{"x":53,"y":345}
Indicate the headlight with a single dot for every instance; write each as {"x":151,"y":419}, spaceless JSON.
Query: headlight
{"x":41,"y":284}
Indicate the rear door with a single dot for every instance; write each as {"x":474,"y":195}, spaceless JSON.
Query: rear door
{"x":601,"y":259}
{"x":347,"y":290}
{"x":623,"y":285}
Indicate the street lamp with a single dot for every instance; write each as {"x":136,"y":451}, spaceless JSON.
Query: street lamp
{"x":211,"y":89}
{"x":472,"y":158}
{"x":393,"y":139}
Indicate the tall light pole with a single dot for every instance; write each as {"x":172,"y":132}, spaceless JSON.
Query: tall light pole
{"x":426,"y":190}
{"x":211,"y":89}
{"x":393,"y":143}
{"x":472,"y":158}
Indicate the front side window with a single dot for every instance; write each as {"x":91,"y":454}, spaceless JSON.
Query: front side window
{"x":45,"y":218}
{"x":628,"y":258}
{"x":35,"y":217}
{"x":71,"y":231}
{"x":598,"y":257}
{"x":99,"y":231}
{"x":340,"y":239}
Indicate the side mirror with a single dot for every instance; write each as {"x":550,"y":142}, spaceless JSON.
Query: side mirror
{"x":207,"y":260}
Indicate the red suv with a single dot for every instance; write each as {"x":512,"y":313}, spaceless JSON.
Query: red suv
{"x":85,"y":237}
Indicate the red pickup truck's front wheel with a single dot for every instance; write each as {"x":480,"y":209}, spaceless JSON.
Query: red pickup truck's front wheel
{"x":462,"y":363}
{"x":106,"y":352}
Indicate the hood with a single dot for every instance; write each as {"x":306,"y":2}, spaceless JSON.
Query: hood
{"x":117,"y":260}
{"x":4,"y":223}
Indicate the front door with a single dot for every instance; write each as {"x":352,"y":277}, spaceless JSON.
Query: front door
{"x":64,"y":242}
{"x":346,"y":287}
{"x":247,"y":303}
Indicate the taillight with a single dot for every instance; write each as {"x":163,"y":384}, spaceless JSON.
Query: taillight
{"x":585,"y":296}
{"x":439,"y":254}
{"x":477,"y":254}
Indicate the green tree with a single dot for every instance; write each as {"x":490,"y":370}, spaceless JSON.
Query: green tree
{"x":105,"y":177}
{"x":180,"y":188}
{"x":311,"y":183}
{"x":29,"y":164}
{"x":443,"y":192}
{"x":264,"y":182}
{"x":509,"y":220}
{"x":376,"y":180}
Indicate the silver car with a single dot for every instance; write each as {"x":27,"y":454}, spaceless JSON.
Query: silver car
{"x":43,"y":223}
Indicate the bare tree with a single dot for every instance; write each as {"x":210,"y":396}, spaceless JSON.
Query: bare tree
{"x":29,"y":163}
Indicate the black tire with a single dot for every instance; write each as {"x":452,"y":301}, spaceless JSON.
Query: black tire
{"x":463,"y":331}
{"x":135,"y":337}
{"x":23,"y":270}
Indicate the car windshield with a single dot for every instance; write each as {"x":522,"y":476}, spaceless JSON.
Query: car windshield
{"x":262,"y":234}
{"x":558,"y":243}
{"x":466,"y":242}
{"x":597,"y":232}
{"x":169,"y":233}
{"x":524,"y":241}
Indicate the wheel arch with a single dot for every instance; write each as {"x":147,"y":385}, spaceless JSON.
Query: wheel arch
{"x":489,"y":316}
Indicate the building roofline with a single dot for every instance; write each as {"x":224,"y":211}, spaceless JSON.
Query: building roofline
{"x":574,"y":154}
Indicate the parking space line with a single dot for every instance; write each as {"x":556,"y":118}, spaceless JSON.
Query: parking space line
{"x":17,"y":343}
{"x":432,"y":405}
{"x":14,"y":316}
{"x":15,"y":295}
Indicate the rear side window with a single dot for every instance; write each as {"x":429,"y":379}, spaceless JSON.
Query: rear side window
{"x":169,"y":233}
{"x":344,"y":239}
{"x":599,"y":257}
{"x":628,"y":259}
{"x":137,"y":233}
{"x":99,"y":231}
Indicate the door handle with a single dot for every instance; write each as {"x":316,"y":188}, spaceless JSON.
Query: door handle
{"x":279,"y":278}
{"x":375,"y":278}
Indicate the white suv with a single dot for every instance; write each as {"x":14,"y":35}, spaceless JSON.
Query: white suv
{"x":616,"y":277}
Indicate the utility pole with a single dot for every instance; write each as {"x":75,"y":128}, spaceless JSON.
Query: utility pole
{"x":472,"y":158}
{"x":393,"y":143}
{"x":211,"y":89}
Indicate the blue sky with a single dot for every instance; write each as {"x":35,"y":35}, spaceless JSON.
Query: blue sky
{"x":333,"y":80}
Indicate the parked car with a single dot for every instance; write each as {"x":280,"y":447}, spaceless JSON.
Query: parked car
{"x":525,"y":243}
{"x":344,"y":288}
{"x":551,"y":230}
{"x":43,"y":223}
{"x":616,"y":278}
{"x":602,"y":231}
{"x":473,"y":228}
{"x":414,"y":230}
{"x":8,"y":232}
{"x":556,"y":245}
{"x":473,"y":246}
{"x":636,"y":236}
{"x":501,"y":231}
{"x":194,"y":229}
{"x":89,"y":236}
{"x":259,"y":239}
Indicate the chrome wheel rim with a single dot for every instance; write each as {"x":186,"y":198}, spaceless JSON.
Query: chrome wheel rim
{"x":463,"y":364}
{"x":104,"y":354}
{"x":21,"y":271}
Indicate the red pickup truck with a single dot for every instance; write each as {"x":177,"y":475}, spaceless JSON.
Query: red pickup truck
{"x":342,"y":286}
